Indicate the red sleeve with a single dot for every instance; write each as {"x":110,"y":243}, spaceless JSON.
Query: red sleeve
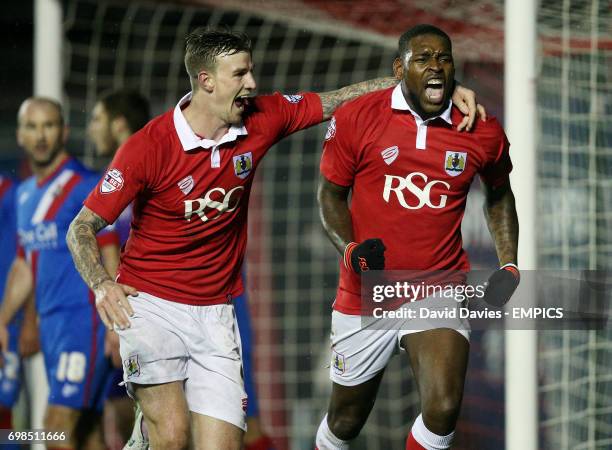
{"x":287,"y":114}
{"x":339,"y":160}
{"x":497,"y":149}
{"x":125,"y":178}
{"x":107,"y":237}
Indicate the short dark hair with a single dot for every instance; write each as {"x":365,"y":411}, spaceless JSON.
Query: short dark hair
{"x":128,"y":103}
{"x":204,"y":44}
{"x":403,"y":45}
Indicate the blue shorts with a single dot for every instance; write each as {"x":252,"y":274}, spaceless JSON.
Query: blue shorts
{"x":243,"y":318}
{"x":11,"y":372}
{"x":115,"y":388}
{"x":72,"y":342}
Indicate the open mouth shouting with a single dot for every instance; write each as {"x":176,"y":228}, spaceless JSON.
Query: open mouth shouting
{"x":434,"y":90}
{"x":242,"y":102}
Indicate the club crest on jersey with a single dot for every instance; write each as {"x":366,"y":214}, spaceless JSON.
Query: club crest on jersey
{"x":338,"y":362}
{"x":131,"y":366}
{"x":243,"y":164}
{"x":113,"y":181}
{"x":293,"y":98}
{"x":454,"y":163}
{"x":186,"y":184}
{"x":331,"y":129}
{"x":390,"y":154}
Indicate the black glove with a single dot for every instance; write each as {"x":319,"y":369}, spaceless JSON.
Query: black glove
{"x":369,"y":255}
{"x":501,"y":285}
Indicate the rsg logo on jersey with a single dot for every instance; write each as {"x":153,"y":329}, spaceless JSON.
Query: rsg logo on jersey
{"x":398,"y":185}
{"x":113,"y":181}
{"x":215,"y":200}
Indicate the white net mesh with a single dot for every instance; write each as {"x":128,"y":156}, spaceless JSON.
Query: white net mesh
{"x":575,"y":198}
{"x":293,"y":269}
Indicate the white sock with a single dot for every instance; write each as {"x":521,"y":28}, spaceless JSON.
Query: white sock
{"x":429,"y":440}
{"x":326,"y":440}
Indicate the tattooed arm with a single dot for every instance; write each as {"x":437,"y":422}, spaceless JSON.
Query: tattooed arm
{"x":463,"y":98}
{"x":111,"y":300}
{"x":332,"y":99}
{"x":502,"y":220}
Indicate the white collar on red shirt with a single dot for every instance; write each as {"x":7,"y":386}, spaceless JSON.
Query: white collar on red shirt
{"x":190,"y":140}
{"x":399,"y":102}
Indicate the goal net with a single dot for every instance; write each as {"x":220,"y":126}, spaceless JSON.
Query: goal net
{"x":575,"y":205}
{"x":292,"y":268}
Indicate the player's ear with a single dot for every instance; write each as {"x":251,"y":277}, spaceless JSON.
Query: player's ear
{"x":398,"y":68}
{"x":118,"y":125}
{"x":206,"y":80}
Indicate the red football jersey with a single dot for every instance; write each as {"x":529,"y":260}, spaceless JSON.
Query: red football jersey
{"x":189,"y":229}
{"x":410,"y":180}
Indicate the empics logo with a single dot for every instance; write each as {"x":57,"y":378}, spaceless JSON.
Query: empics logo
{"x":398,"y":185}
{"x":455,"y":162}
{"x":243,"y":164}
{"x":113,"y":181}
{"x":390,"y":154}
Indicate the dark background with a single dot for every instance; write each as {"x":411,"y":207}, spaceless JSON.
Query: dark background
{"x":16,"y":76}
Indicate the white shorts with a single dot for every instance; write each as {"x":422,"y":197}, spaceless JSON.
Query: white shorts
{"x":361,"y":348}
{"x":169,"y":341}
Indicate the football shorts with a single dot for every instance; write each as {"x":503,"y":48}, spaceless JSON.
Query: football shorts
{"x":200,"y":345}
{"x":72,"y":342}
{"x":362,"y":348}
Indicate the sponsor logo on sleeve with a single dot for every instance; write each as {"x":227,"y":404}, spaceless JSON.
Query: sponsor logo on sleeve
{"x":293,"y":98}
{"x":390,"y":154}
{"x":186,"y":184}
{"x":454,"y":162}
{"x":331,"y":129}
{"x":243,"y":164}
{"x":113,"y":181}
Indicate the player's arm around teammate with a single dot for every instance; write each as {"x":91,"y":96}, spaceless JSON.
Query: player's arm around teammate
{"x":463,"y":98}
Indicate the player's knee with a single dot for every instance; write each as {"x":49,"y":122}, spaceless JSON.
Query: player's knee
{"x":170,"y":436}
{"x":172,"y":440}
{"x":346,"y":424}
{"x":440,"y":413}
{"x":61,"y":419}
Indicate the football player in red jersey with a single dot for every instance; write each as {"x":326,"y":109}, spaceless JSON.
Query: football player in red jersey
{"x":189,"y":172}
{"x":397,"y":153}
